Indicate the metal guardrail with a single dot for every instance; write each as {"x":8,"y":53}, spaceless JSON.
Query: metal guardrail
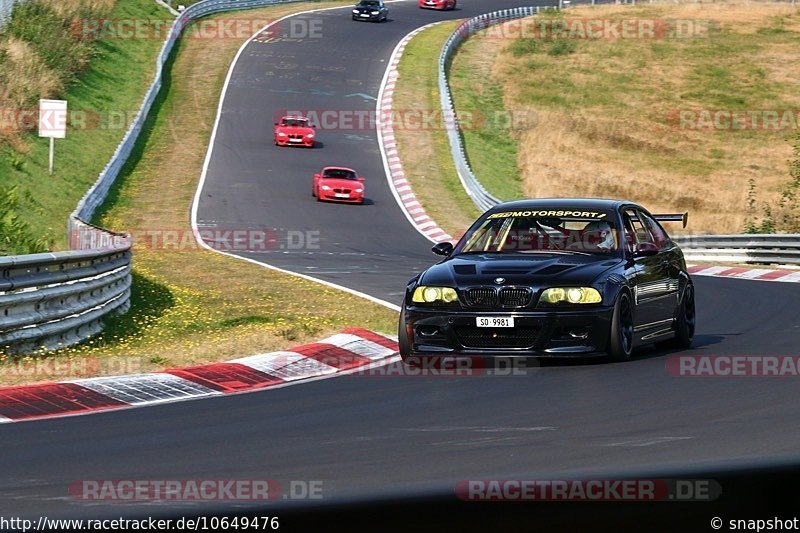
{"x":58,"y":299}
{"x":479,"y":195}
{"x":6,"y":6}
{"x":749,"y":248}
{"x":757,"y":249}
{"x":97,"y":194}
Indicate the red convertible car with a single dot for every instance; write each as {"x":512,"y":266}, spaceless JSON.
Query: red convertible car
{"x":437,"y":4}
{"x":338,"y":184}
{"x":294,"y":131}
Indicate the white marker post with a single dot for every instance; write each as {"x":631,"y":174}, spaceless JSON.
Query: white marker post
{"x":52,"y":123}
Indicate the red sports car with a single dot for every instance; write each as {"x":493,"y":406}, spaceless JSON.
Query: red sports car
{"x":437,"y":4}
{"x":294,"y":131}
{"x":338,"y":184}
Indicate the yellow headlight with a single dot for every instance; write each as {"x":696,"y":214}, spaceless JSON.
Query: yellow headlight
{"x":429,"y":295}
{"x":573,"y":295}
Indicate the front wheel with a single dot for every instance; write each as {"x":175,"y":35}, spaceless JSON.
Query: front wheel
{"x":402,"y":335}
{"x":685,"y":322}
{"x":620,"y":344}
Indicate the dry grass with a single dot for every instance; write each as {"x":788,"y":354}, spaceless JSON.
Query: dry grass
{"x":606,"y":111}
{"x":72,"y":7}
{"x":197,"y":306}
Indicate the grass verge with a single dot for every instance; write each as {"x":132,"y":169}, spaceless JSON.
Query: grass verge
{"x":624,"y":118}
{"x":601,"y":117}
{"x":194,"y":306}
{"x":425,"y":152}
{"x":102,"y":98}
{"x":490,"y":138}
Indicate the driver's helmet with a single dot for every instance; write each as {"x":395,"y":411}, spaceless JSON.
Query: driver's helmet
{"x":605,"y":234}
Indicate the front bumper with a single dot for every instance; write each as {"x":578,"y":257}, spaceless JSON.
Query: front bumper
{"x":371,"y":17}
{"x":331,"y":197}
{"x":539,"y":333}
{"x":284,"y":141}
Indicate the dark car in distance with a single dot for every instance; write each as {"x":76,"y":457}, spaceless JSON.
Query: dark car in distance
{"x":552,"y":277}
{"x":372,"y":10}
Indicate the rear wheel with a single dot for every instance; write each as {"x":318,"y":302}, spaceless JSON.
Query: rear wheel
{"x":620,"y":343}
{"x":685,"y":322}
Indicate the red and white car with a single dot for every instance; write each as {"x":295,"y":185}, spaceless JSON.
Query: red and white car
{"x":437,"y":4}
{"x":294,"y":131}
{"x":338,"y":184}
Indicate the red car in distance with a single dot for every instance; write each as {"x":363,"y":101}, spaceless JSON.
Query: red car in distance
{"x":338,"y":184}
{"x":437,"y":4}
{"x":294,"y":131}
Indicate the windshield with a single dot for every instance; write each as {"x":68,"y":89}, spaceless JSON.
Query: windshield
{"x":507,"y":233}
{"x":369,"y":3}
{"x":340,"y":174}
{"x":295,"y":122}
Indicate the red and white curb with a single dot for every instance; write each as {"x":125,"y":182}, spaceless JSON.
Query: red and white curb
{"x":756,"y":274}
{"x":401,"y":188}
{"x":353,"y":350}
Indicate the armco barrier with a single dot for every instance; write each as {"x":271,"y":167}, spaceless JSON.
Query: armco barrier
{"x":479,"y":195}
{"x":57,"y":299}
{"x":5,"y":10}
{"x":756,"y":249}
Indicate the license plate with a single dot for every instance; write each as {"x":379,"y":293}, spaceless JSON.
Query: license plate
{"x":495,"y":321}
{"x":364,"y":15}
{"x":341,"y":195}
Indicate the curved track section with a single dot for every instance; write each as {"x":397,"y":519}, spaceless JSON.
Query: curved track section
{"x":252,"y":184}
{"x":363,"y":436}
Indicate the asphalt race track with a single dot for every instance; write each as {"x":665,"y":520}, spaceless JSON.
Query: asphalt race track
{"x":368,"y":435}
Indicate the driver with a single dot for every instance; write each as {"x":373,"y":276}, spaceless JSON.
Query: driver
{"x":596,"y":235}
{"x":604,"y":232}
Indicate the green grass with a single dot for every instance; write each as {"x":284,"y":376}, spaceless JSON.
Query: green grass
{"x":194,"y":306}
{"x":118,"y":76}
{"x":491,"y":146}
{"x":426,"y":156}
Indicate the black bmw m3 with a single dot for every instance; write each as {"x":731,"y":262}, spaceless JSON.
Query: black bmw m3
{"x":552,"y":277}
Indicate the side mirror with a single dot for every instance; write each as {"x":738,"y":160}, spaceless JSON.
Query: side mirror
{"x":443,"y":248}
{"x":645,"y":249}
{"x":276,"y":123}
{"x":316,"y":176}
{"x":361,"y":178}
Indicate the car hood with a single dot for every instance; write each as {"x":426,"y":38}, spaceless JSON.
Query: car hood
{"x":294,"y":130}
{"x":533,"y":270}
{"x":337,"y":182}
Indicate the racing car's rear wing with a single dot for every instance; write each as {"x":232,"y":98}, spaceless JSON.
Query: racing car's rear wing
{"x":677,"y":217}
{"x":670,"y":217}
